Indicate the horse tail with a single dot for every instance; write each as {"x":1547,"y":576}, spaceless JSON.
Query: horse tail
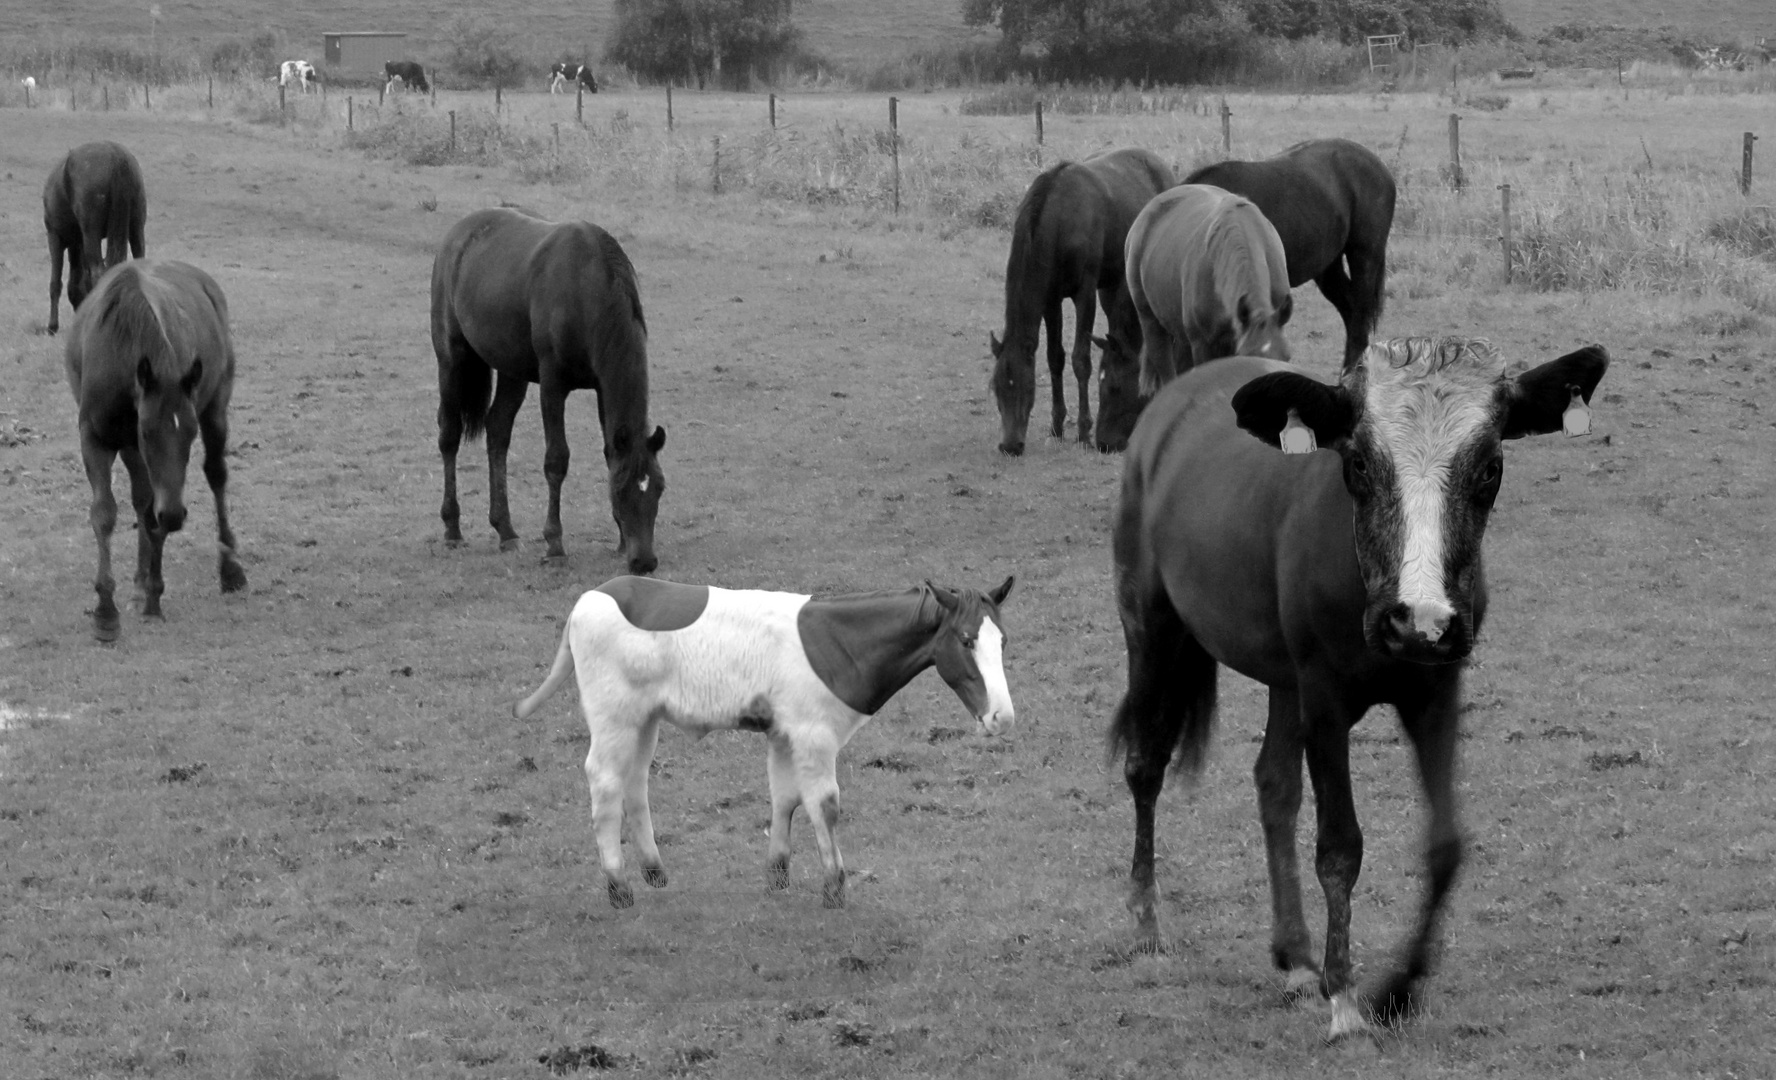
{"x":467,"y":391}
{"x":121,"y":214}
{"x":558,"y":673}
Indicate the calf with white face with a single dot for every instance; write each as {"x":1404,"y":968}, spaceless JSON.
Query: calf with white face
{"x":805,"y":673}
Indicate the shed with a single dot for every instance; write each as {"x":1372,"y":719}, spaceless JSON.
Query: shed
{"x":362,"y":51}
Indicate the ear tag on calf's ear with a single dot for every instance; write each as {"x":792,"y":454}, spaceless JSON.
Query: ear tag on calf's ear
{"x":1296,"y":437}
{"x":1576,"y":420}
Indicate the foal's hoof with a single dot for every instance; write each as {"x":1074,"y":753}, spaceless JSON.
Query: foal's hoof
{"x":1348,"y":1020}
{"x":234,"y":579}
{"x":621,"y":895}
{"x":107,"y":630}
{"x":1302,"y":988}
{"x":654,"y":876}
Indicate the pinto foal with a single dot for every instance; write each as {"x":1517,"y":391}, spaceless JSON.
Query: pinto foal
{"x":806,"y":673}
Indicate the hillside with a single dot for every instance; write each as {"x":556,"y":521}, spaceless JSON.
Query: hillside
{"x":1726,"y":19}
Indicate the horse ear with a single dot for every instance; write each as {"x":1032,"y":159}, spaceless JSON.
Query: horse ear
{"x":998,"y":595}
{"x":192,"y":377}
{"x":657,"y":440}
{"x":1264,"y":404}
{"x":145,"y":375}
{"x":994,"y":343}
{"x":945,"y":598}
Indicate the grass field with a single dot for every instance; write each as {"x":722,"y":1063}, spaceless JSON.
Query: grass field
{"x":1732,"y":18}
{"x":294,"y":832}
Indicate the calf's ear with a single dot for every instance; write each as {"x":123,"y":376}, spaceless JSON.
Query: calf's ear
{"x":1263,"y":406}
{"x":998,"y":595}
{"x":1540,"y":395}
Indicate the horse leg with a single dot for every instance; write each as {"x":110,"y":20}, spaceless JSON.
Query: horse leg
{"x":1433,"y":729}
{"x":1057,"y":366}
{"x":212,"y":425}
{"x":150,"y":537}
{"x":637,"y":811}
{"x":818,"y":781}
{"x":1085,"y":317}
{"x":56,"y":251}
{"x":104,"y":519}
{"x":1277,"y":775}
{"x":1368,"y":277}
{"x":508,"y":396}
{"x":555,"y":457}
{"x":1158,"y":355}
{"x":1335,"y":286}
{"x":1338,"y":855}
{"x":786,"y":795}
{"x":610,"y":762}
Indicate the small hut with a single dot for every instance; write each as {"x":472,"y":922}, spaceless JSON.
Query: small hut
{"x":362,"y":52}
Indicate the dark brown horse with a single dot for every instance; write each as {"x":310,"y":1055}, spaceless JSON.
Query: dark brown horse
{"x":1067,"y":245}
{"x":152,"y":367}
{"x":1341,"y":579}
{"x":94,"y":210}
{"x":557,"y":305}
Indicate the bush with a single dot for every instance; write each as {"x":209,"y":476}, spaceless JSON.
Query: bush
{"x":726,"y":42}
{"x":482,"y":52}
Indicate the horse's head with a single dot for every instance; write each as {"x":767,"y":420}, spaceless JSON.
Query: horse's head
{"x":636,"y":484}
{"x":166,"y":424}
{"x":1258,"y":328}
{"x":1014,"y":388}
{"x":1418,"y":423}
{"x":1119,"y":393}
{"x":969,"y":652}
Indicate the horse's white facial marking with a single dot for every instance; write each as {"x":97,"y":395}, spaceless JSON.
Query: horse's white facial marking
{"x":642,"y":483}
{"x":989,"y":658}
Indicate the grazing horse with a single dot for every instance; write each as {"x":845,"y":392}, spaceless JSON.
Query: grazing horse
{"x":557,"y":305}
{"x":405,"y":73}
{"x":1205,"y":274}
{"x":563,"y":73}
{"x":805,"y":673}
{"x":151,"y":365}
{"x":1067,"y":245}
{"x":94,"y":196}
{"x":1340,"y":579}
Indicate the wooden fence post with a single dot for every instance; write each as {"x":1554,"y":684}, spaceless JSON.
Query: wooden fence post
{"x":381,"y":93}
{"x":434,"y":90}
{"x":715,"y":167}
{"x":773,"y":112}
{"x":1505,"y":227}
{"x":1745,"y":165}
{"x":453,"y":130}
{"x":283,"y":113}
{"x":668,"y":107}
{"x":1455,"y":151}
{"x":557,"y":128}
{"x":1038,"y":121}
{"x":212,"y":94}
{"x":894,"y":143}
{"x":28,"y":105}
{"x":147,"y":97}
{"x":107,"y":97}
{"x":496,"y":99}
{"x":1226,"y":128}
{"x":348,"y":113}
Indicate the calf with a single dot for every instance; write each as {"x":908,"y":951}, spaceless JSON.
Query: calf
{"x":405,"y":73}
{"x":805,"y":673}
{"x":561,"y":74}
{"x":300,"y":72}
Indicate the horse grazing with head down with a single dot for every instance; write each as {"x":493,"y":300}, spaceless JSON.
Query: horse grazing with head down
{"x":95,"y":207}
{"x":805,"y":673}
{"x":1067,"y":245}
{"x":556,"y":305}
{"x":1341,"y":579}
{"x":152,"y":367}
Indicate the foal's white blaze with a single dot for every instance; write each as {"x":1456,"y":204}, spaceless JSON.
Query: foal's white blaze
{"x":989,"y":657}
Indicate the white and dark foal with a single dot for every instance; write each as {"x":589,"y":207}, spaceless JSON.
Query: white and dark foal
{"x":806,"y":673}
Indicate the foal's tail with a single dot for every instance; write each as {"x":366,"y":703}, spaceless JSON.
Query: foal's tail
{"x":467,"y":389}
{"x":558,"y":674}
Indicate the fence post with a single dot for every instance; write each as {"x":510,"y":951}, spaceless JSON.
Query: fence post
{"x":107,"y":97}
{"x":1455,"y":150}
{"x":1745,"y":166}
{"x":212,"y":82}
{"x":773,"y":112}
{"x":434,"y":89}
{"x":557,"y":128}
{"x":1505,"y":227}
{"x":28,"y":105}
{"x":894,"y":142}
{"x":1038,"y":121}
{"x":348,"y":113}
{"x":668,"y":107}
{"x":496,"y":99}
{"x":1226,"y":128}
{"x":453,"y":130}
{"x":147,"y":97}
{"x":381,"y":93}
{"x":715,"y":168}
{"x":283,"y":115}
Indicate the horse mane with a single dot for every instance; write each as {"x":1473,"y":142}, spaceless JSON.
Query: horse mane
{"x":139,"y":314}
{"x":618,"y":336}
{"x":1023,"y":231}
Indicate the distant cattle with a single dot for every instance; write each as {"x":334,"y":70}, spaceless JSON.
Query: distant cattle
{"x":299,"y":72}
{"x":28,"y":82}
{"x":562,"y":74}
{"x":406,"y":73}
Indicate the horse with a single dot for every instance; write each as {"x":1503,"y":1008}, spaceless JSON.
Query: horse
{"x":1341,"y":579}
{"x":1067,"y":244}
{"x":806,"y":673}
{"x":1205,"y":276}
{"x":1332,"y":203}
{"x":557,"y":305}
{"x":151,"y":365}
{"x":94,"y":196}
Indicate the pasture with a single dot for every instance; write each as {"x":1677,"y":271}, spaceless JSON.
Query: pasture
{"x":295,"y":832}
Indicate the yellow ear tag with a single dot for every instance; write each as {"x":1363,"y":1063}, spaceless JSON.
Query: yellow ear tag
{"x":1576,"y":420}
{"x":1296,"y":437}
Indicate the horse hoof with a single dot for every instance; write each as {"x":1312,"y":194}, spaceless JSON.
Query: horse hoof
{"x":1302,"y":988}
{"x":654,"y":876}
{"x":453,"y":541}
{"x":510,"y":544}
{"x":1347,"y":1018}
{"x":107,"y":632}
{"x":776,"y":878}
{"x":233,"y":579}
{"x":621,"y":896}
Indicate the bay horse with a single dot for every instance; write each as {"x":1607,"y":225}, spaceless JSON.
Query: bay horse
{"x":151,"y":365}
{"x":1206,"y":278}
{"x":556,"y":305}
{"x":805,"y":673}
{"x":1067,"y":244}
{"x":1341,"y":579}
{"x":95,"y":208}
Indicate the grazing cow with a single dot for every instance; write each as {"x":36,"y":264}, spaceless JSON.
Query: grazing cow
{"x":95,"y":208}
{"x":805,"y":673}
{"x":563,"y":73}
{"x":29,"y":82}
{"x":299,"y":72}
{"x":1341,"y":579}
{"x":405,"y":73}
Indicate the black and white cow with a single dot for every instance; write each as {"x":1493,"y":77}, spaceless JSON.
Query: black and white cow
{"x":407,"y":73}
{"x":805,"y":673}
{"x":563,"y":73}
{"x":298,"y":72}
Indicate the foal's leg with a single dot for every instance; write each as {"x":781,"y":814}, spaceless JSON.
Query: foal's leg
{"x":1158,"y":356}
{"x":786,"y":795}
{"x":1057,"y":366}
{"x":555,"y":456}
{"x":636,"y":810}
{"x":104,"y":519}
{"x":1278,"y":778}
{"x":609,"y":764}
{"x":1433,"y":729}
{"x":213,"y":427}
{"x":1085,"y":317}
{"x":150,"y":537}
{"x":56,"y":252}
{"x":1338,"y":855}
{"x":507,"y":398}
{"x":1368,"y":276}
{"x":817,"y":778}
